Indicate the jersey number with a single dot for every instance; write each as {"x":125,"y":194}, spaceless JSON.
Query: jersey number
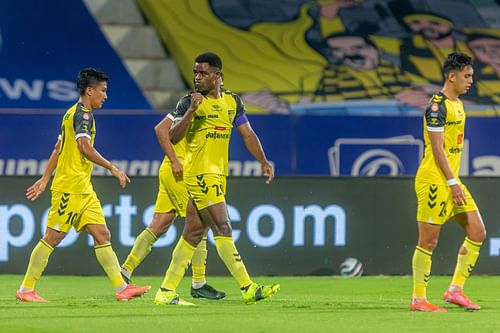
{"x":218,"y":190}
{"x":443,"y":208}
{"x":71,"y":218}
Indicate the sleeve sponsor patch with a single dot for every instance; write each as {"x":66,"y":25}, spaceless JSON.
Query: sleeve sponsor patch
{"x":83,"y":122}
{"x":435,"y":114}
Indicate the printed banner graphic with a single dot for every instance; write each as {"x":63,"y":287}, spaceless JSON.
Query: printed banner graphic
{"x":295,"y":226}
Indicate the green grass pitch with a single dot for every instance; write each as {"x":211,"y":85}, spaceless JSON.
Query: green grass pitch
{"x":304,"y":304}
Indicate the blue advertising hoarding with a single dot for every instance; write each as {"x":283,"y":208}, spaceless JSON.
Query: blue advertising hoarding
{"x":26,"y":141}
{"x":43,"y":45}
{"x":297,"y":145}
{"x":364,"y":146}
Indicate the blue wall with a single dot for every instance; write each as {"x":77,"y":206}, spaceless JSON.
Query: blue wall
{"x":298,"y":145}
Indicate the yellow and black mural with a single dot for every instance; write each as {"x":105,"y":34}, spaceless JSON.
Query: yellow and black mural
{"x":279,"y":53}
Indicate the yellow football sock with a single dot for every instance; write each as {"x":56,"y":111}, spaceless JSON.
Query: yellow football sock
{"x":199,"y":262}
{"x":466,"y":262}
{"x":142,"y":247}
{"x":109,"y":262}
{"x":181,"y":256}
{"x":38,"y":261}
{"x":231,"y":258}
{"x":421,"y":263}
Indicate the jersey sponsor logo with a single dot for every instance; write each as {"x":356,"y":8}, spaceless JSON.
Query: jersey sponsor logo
{"x":213,"y":116}
{"x":215,"y":135}
{"x":454,"y":123}
{"x":455,"y":150}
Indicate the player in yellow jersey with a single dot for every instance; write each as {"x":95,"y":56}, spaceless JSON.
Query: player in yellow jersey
{"x":171,"y":202}
{"x":440,"y":194}
{"x":207,"y":117}
{"x":74,"y":202}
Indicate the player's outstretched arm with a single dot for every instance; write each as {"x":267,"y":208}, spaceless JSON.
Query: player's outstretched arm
{"x":254,"y":146}
{"x":35,"y":190}
{"x":93,"y":155}
{"x":162,"y":130}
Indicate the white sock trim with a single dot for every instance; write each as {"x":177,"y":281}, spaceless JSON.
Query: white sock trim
{"x":198,"y":285}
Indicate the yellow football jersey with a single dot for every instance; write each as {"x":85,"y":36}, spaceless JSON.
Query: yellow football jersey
{"x":442,"y":115}
{"x":73,"y":169}
{"x":180,"y":152}
{"x":207,"y":139}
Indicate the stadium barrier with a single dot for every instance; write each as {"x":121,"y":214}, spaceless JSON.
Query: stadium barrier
{"x":297,"y":145}
{"x":295,"y":226}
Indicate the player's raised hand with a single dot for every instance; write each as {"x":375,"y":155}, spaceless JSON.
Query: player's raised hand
{"x":268,"y":171}
{"x":120,"y":175}
{"x":196,"y":99}
{"x":35,"y":190}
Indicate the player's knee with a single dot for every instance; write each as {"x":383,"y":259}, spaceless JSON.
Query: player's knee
{"x":193,"y":237}
{"x":223,"y":229}
{"x":101,"y":235}
{"x":482,"y":235}
{"x":53,"y":237}
{"x":479,"y":235}
{"x":161,"y":223}
{"x":159,"y":228}
{"x":428,"y":244}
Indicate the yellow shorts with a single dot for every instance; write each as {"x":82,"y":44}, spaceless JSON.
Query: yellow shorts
{"x":435,"y":203}
{"x":206,"y":189}
{"x":172,"y":193}
{"x":75,"y":210}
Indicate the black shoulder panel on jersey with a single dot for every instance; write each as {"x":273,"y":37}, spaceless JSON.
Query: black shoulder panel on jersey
{"x":240,"y":107}
{"x":182,"y":106}
{"x":435,"y":113}
{"x":83,"y":120}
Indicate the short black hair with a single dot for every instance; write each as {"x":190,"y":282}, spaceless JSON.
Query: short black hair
{"x":211,"y":58}
{"x":90,"y":77}
{"x":456,"y":62}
